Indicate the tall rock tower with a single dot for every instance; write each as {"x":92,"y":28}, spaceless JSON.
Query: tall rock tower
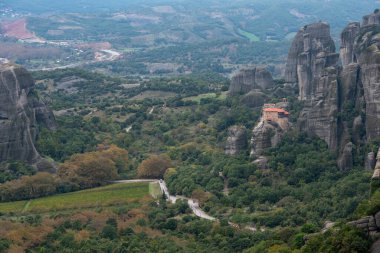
{"x":20,"y":112}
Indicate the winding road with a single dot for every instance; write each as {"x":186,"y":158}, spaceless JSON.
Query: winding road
{"x":111,"y":56}
{"x":193,"y":204}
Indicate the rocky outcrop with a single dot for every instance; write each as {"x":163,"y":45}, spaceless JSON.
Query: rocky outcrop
{"x":274,"y":123}
{"x":345,"y":161}
{"x":372,"y":19}
{"x":370,"y":224}
{"x":375,"y":248}
{"x":312,"y":63}
{"x":376,"y":173}
{"x":250,"y":79}
{"x":236,"y":141}
{"x":20,"y":113}
{"x":253,"y":98}
{"x":261,"y":162}
{"x":265,"y":135}
{"x":348,"y":37}
{"x":370,"y":161}
{"x":312,"y":50}
{"x":368,"y":57}
{"x":341,"y":101}
{"x":319,"y":116}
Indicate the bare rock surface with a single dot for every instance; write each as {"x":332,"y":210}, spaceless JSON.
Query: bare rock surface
{"x":265,"y":135}
{"x":236,"y":140}
{"x":21,"y":110}
{"x":341,"y":92}
{"x":249,"y":79}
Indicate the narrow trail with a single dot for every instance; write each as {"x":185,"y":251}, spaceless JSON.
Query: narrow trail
{"x":112,"y":56}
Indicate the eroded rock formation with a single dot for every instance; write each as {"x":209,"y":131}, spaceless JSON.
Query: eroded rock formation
{"x":271,"y":128}
{"x":253,"y":99}
{"x":376,"y":173}
{"x":341,"y":92}
{"x":370,"y":161}
{"x":265,"y":135}
{"x":250,"y":79}
{"x":372,"y":19}
{"x":348,"y":37}
{"x":312,"y":50}
{"x":370,"y":224}
{"x":236,"y":141}
{"x":20,"y":113}
{"x":312,"y":64}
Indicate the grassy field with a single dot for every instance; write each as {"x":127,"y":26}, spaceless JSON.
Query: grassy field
{"x":207,"y":95}
{"x":249,"y":35}
{"x":153,"y":94}
{"x":97,"y":197}
{"x":155,"y":190}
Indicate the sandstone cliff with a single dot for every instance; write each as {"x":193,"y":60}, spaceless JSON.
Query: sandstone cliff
{"x":341,"y":92}
{"x":20,"y":113}
{"x":370,"y":224}
{"x":265,"y":135}
{"x":236,"y":141}
{"x":312,"y":64}
{"x":376,"y":173}
{"x":250,"y":79}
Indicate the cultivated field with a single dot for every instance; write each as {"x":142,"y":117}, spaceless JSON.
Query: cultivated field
{"x":198,"y":98}
{"x":97,"y":197}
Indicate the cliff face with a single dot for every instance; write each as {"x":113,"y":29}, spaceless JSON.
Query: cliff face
{"x":372,"y":19}
{"x":348,"y":37}
{"x":342,"y":101}
{"x":20,"y":112}
{"x":236,"y":141}
{"x":376,"y":173}
{"x":250,"y":79}
{"x":265,"y":135}
{"x":312,"y":63}
{"x":312,"y":50}
{"x":370,"y":225}
{"x":368,"y":56}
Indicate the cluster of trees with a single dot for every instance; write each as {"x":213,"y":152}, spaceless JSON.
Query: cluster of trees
{"x":81,"y":171}
{"x":238,"y":51}
{"x":154,"y":167}
{"x":149,"y":228}
{"x":369,"y":206}
{"x":15,"y":169}
{"x":96,"y":168}
{"x":342,"y":239}
{"x":301,"y":185}
{"x":27,"y":187}
{"x":74,"y":135}
{"x":185,"y":85}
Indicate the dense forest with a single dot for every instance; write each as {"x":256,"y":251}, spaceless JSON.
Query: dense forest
{"x":161,"y":111}
{"x":177,"y":128}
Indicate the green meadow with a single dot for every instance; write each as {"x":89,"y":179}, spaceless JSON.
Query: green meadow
{"x":252,"y":37}
{"x":97,"y":197}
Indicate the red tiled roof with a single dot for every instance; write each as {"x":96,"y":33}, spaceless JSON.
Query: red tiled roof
{"x":279,"y":110}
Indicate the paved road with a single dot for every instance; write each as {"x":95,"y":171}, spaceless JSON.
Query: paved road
{"x":193,"y":204}
{"x":112,"y":56}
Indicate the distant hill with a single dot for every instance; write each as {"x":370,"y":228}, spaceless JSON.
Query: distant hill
{"x":272,"y":19}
